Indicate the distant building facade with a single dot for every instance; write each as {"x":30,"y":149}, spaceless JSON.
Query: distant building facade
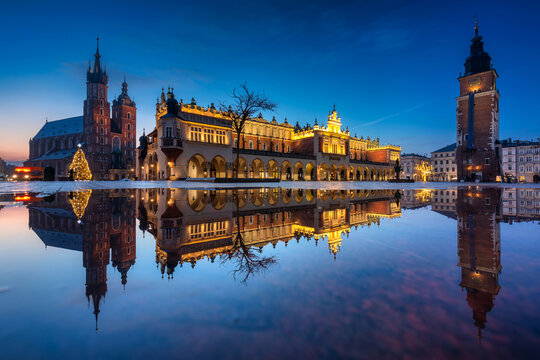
{"x":408,"y":166}
{"x":107,"y":138}
{"x":190,"y":141}
{"x":477,"y":156}
{"x":521,"y":160}
{"x":443,"y":164}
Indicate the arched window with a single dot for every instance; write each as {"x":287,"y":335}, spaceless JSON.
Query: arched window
{"x":129,"y":126}
{"x":100,"y":111}
{"x":101,"y":102}
{"x":116,"y":144}
{"x":101,"y":140}
{"x":129,"y":116}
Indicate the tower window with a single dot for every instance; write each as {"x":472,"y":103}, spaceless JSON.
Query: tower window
{"x":129,"y":126}
{"x":101,"y":121}
{"x":100,"y":111}
{"x":129,"y":116}
{"x":101,"y":103}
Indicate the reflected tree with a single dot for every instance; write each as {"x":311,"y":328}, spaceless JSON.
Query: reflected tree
{"x":248,"y":261}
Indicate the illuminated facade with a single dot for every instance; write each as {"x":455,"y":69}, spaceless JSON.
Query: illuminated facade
{"x":477,"y":153}
{"x":409,"y":166}
{"x":443,"y":163}
{"x":191,"y":141}
{"x":107,"y":135}
{"x":521,"y":160}
{"x":191,"y":225}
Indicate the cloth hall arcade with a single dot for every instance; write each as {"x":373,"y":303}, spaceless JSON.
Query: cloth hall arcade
{"x":190,"y":141}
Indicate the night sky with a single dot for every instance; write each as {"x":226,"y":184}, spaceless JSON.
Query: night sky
{"x":389,"y":66}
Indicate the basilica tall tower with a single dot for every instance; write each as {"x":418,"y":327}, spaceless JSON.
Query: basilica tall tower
{"x":97,"y":120}
{"x":477,"y":117}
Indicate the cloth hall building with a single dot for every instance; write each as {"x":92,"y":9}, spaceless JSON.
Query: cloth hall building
{"x":190,"y":141}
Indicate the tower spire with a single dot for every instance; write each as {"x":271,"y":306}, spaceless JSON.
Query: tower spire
{"x":476,"y":28}
{"x":97,"y":63}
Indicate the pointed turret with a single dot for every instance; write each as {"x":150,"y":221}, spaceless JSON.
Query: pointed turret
{"x":478,"y":61}
{"x":96,"y":74}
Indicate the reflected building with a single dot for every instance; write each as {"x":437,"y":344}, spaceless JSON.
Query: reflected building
{"x":479,"y":249}
{"x":100,"y":225}
{"x":191,"y":225}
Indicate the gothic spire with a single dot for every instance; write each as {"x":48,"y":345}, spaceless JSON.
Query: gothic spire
{"x":97,"y":74}
{"x":97,"y":63}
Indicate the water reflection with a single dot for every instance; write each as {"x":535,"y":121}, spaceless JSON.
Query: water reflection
{"x":234,"y":226}
{"x":100,"y":225}
{"x":479,"y":212}
{"x":190,"y":225}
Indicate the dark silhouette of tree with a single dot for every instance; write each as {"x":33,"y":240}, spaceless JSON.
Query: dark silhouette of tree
{"x":247,"y":259}
{"x":244,"y":105}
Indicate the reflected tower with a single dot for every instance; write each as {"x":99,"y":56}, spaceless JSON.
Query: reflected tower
{"x":479,"y":249}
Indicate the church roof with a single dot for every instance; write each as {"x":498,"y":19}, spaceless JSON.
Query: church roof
{"x":72,"y":125}
{"x":447,"y":148}
{"x":60,"y":239}
{"x":61,"y":154}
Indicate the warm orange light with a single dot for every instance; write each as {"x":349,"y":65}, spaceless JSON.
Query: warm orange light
{"x":22,"y":169}
{"x":22,"y":198}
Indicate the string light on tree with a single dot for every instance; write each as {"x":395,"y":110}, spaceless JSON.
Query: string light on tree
{"x":79,"y":166}
{"x":424,"y":168}
{"x":79,"y":202}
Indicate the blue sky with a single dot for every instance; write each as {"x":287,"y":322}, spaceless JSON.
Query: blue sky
{"x":389,"y":66}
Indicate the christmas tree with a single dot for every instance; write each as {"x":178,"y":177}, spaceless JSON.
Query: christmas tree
{"x":79,"y":166}
{"x":79,"y":201}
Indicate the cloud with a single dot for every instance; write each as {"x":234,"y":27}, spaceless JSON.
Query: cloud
{"x":399,"y":113}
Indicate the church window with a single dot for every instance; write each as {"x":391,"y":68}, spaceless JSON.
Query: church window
{"x":101,"y":102}
{"x":129,"y":126}
{"x":100,"y":111}
{"x":129,"y":116}
{"x":101,"y":131}
{"x":101,"y":121}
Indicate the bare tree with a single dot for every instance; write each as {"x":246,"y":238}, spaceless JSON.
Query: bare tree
{"x":248,"y":261}
{"x":244,"y":105}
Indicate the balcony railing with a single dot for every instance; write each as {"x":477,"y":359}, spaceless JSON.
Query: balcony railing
{"x":171,"y":142}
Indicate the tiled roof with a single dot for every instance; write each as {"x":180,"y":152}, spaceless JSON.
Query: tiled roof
{"x":61,"y":154}
{"x":60,"y":239}
{"x":71,"y":125}
{"x":447,"y":148}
